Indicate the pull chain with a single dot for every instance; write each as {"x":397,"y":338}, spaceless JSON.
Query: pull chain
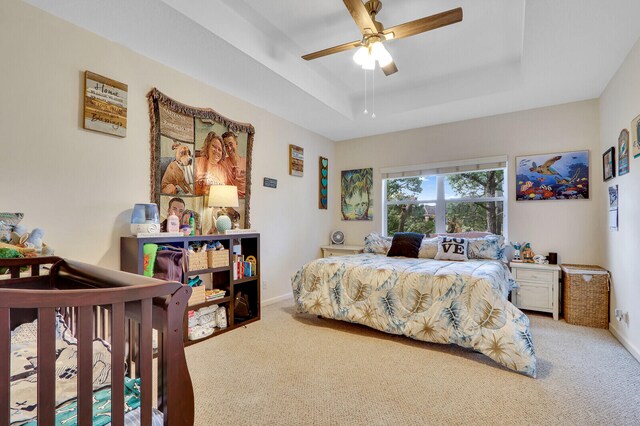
{"x":365,"y":93}
{"x":373,"y":93}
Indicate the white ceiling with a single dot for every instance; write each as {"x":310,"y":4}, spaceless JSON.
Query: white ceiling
{"x":506,"y":55}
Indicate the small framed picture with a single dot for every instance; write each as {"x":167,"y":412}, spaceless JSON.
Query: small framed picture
{"x":609,"y":164}
{"x":623,"y":152}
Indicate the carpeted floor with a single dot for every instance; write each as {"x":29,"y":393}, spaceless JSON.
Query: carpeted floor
{"x":296,"y":369}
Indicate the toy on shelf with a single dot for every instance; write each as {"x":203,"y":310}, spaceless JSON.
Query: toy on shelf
{"x":527,"y":253}
{"x":516,"y":255}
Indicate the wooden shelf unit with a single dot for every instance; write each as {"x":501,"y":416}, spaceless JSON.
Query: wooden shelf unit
{"x":132,"y":260}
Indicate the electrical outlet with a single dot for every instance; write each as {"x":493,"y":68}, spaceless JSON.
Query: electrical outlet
{"x":619,"y":314}
{"x":264,"y":284}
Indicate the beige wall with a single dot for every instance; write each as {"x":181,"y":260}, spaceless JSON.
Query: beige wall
{"x":79,"y":186}
{"x":566,"y":227}
{"x":619,"y":104}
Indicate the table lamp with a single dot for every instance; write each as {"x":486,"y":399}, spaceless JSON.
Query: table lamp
{"x":222,"y":196}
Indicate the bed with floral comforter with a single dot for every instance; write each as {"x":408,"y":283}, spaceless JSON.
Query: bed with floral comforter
{"x":464,"y":303}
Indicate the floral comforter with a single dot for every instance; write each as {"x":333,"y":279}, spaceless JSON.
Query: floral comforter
{"x":464,"y":303}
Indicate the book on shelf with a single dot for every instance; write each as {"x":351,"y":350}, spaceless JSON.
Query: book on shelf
{"x":158,"y":234}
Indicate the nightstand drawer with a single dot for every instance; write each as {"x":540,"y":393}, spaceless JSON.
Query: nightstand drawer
{"x":545,"y":277}
{"x":533,"y":296}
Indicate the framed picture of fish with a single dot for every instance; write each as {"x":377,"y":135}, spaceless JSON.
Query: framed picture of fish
{"x":609,"y":164}
{"x":623,"y":152}
{"x":559,"y":176}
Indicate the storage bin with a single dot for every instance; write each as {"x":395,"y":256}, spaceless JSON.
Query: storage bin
{"x":218,"y":258}
{"x":586,"y":295}
{"x":197,"y":296}
{"x":197,"y":260}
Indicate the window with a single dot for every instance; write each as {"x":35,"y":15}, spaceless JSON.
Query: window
{"x":448,"y":201}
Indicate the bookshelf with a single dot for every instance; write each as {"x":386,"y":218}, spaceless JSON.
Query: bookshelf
{"x":132,"y":260}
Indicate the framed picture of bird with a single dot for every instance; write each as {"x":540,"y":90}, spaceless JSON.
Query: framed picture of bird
{"x":558,"y":176}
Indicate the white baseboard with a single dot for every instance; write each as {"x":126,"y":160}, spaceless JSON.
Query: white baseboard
{"x":276,"y":299}
{"x":628,"y":346}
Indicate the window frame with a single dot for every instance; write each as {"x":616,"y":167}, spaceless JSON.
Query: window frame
{"x":441,"y":201}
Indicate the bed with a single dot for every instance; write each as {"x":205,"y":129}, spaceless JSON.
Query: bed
{"x":462,"y":303}
{"x":81,"y":337}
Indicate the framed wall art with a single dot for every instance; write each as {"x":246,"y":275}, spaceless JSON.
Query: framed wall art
{"x":296,"y":160}
{"x":623,"y":152}
{"x":355,"y":194}
{"x":609,"y":164}
{"x":323,"y":183}
{"x":557,"y":176}
{"x":635,"y":141}
{"x":193,"y":149}
{"x":105,"y":105}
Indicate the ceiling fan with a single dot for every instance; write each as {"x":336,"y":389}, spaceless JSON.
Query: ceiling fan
{"x":374,"y":34}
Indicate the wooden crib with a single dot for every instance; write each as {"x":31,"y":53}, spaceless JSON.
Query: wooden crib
{"x":121,"y":308}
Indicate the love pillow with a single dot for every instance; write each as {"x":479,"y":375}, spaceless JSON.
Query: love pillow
{"x":450,"y":248}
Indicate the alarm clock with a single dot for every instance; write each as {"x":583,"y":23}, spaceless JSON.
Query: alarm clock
{"x":337,"y":238}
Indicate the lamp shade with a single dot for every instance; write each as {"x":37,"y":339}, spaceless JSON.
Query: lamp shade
{"x":223,"y":196}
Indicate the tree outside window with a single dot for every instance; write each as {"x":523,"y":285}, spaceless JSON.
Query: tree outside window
{"x":459,"y":202}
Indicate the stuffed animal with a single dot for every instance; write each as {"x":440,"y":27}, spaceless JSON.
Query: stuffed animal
{"x":35,"y":239}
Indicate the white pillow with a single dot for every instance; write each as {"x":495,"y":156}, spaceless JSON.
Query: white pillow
{"x":452,"y":249}
{"x":428,"y":248}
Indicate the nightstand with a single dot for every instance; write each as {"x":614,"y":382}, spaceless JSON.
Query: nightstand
{"x":539,"y":287}
{"x":340,"y":250}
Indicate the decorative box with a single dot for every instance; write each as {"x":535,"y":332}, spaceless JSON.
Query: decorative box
{"x":218,"y":258}
{"x":197,"y":260}
{"x":197,"y":296}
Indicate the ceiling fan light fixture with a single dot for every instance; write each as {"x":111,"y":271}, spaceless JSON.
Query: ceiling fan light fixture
{"x":361,"y":55}
{"x":369,"y":63}
{"x":381,"y":54}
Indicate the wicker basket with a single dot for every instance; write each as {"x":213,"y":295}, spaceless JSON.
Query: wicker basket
{"x":218,"y":258}
{"x":197,"y":296}
{"x":586,"y":295}
{"x":197,"y":260}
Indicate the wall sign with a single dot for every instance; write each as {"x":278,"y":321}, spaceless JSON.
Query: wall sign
{"x":296,"y":160}
{"x":105,"y":105}
{"x":323,"y":183}
{"x":270,"y":182}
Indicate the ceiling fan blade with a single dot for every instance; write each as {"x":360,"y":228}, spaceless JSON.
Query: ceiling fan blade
{"x":361,"y":16}
{"x":425,"y":24}
{"x":390,"y":69}
{"x":331,"y":50}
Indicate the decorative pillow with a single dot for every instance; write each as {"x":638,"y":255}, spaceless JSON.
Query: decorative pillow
{"x":405,"y":244}
{"x":472,"y":234}
{"x":428,"y":248}
{"x":452,"y":249}
{"x":490,"y":247}
{"x":376,"y":243}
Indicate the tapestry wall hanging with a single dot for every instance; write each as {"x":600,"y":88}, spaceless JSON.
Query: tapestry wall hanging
{"x":558,"y":176}
{"x":192,"y":149}
{"x":355,"y":194}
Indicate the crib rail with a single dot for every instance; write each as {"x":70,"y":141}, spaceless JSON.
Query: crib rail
{"x":96,"y":302}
